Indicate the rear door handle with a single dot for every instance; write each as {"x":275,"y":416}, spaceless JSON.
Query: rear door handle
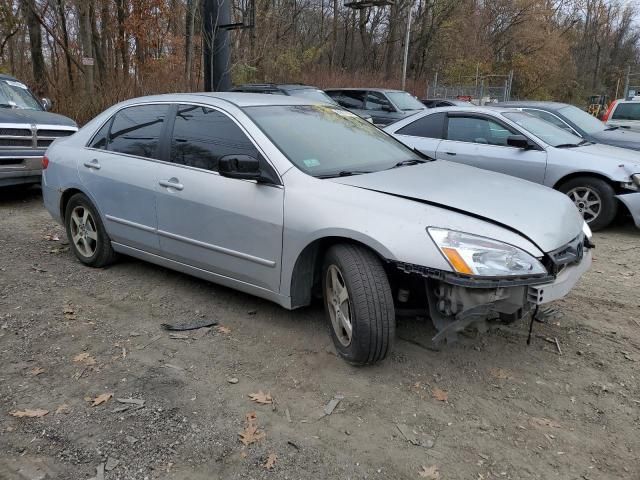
{"x":92,"y":164}
{"x":451,"y":153}
{"x":171,"y":183}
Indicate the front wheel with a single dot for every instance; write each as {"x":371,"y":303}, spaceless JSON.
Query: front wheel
{"x":358,"y":304}
{"x":594,"y":198}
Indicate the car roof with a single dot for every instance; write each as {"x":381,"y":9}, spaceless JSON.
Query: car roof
{"x":534,"y":104}
{"x":468,"y":109}
{"x":381,"y":90}
{"x":282,"y":86}
{"x":239,"y":99}
{"x":7,"y":77}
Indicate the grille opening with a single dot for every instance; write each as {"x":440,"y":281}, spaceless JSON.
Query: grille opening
{"x":54,"y":133}
{"x":11,"y":161}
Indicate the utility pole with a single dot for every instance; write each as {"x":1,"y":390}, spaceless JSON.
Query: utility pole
{"x":406,"y":47}
{"x":626,"y":82}
{"x":216,"y":16}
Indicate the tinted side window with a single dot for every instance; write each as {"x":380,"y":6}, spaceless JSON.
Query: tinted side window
{"x":376,"y":101}
{"x":202,"y":135}
{"x":429,"y":126}
{"x":626,"y":111}
{"x":349,"y":98}
{"x":136,"y":130}
{"x":100,"y":138}
{"x":478,"y":130}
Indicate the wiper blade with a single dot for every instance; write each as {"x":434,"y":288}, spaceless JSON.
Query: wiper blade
{"x":568,"y":145}
{"x":343,"y":173}
{"x":404,"y":163}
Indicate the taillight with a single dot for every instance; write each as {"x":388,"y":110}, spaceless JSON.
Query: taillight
{"x":45,"y":162}
{"x":605,"y":117}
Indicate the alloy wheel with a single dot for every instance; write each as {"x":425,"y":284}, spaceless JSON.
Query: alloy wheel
{"x":587,"y":201}
{"x":84,"y":233}
{"x":339,"y":305}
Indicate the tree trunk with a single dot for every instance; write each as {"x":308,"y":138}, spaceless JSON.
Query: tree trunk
{"x":84,"y":20}
{"x":192,"y":6}
{"x":35,"y":42}
{"x":65,"y":39}
{"x":97,"y":45}
{"x":122,"y":37}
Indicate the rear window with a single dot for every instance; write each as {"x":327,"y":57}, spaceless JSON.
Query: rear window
{"x":627,"y":111}
{"x":429,"y":126}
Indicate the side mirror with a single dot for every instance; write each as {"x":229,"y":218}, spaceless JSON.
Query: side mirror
{"x":244,"y":167}
{"x":519,"y":141}
{"x":46,"y":104}
{"x":388,"y":108}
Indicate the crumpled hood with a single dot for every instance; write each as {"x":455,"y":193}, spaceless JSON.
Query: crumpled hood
{"x":620,"y":137}
{"x":544,"y":216}
{"x":39,"y":117}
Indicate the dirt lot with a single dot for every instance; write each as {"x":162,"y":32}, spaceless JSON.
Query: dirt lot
{"x":486,"y":407}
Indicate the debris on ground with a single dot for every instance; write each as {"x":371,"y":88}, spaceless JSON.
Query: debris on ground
{"x":195,"y":325}
{"x":99,"y":473}
{"x":543,"y":422}
{"x":178,"y":336}
{"x":69,"y":312}
{"x":287,"y":414}
{"x":28,"y":413}
{"x":500,"y":373}
{"x":52,"y":237}
{"x":111,"y":464}
{"x":85,"y":359}
{"x":152,"y":340}
{"x":271,"y":461}
{"x":439,"y":394}
{"x":431,"y":473}
{"x":131,"y":401}
{"x":64,"y":408}
{"x":34,"y":372}
{"x":224,"y":330}
{"x":100,"y":399}
{"x":333,"y":403}
{"x":251,"y":433}
{"x":232,"y":380}
{"x":261,"y":397}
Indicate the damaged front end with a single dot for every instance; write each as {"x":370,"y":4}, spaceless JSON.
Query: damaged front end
{"x":457,"y":301}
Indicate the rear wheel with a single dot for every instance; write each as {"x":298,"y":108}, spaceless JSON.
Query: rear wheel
{"x":86,"y":233}
{"x":594,"y":198}
{"x":358,"y":304}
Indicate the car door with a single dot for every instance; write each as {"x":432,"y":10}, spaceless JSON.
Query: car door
{"x":120,"y":171}
{"x":481,"y":141}
{"x":423,"y":134}
{"x":227,"y":226}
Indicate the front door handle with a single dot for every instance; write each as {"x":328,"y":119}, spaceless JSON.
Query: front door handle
{"x":171,"y":183}
{"x":451,"y":153}
{"x":92,"y":164}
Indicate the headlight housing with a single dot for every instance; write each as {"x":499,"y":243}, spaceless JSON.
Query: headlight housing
{"x":483,"y":257}
{"x":635,"y":179}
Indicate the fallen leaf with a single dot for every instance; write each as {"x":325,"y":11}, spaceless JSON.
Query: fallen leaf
{"x":85,"y":359}
{"x":429,"y":472}
{"x":271,"y":461}
{"x":543,"y":422}
{"x":500,"y":373}
{"x":251,"y":434}
{"x":36,"y":371}
{"x":38,"y":412}
{"x":261,"y":397}
{"x":52,"y":237}
{"x":69,"y":312}
{"x":440,"y":395}
{"x":223,"y":329}
{"x":64,"y":408}
{"x":100,"y":399}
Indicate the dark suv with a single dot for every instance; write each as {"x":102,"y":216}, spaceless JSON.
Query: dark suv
{"x":383,"y":105}
{"x":26,"y":130}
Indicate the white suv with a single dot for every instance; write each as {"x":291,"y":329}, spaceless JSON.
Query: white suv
{"x":624,"y":114}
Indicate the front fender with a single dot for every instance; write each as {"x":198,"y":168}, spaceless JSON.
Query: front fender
{"x":632,"y":202}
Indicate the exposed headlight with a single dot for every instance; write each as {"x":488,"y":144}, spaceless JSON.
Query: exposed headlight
{"x":635,"y":179}
{"x":484,"y":257}
{"x":587,"y":230}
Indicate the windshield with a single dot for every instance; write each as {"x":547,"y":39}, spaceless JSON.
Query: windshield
{"x":545,"y":131}
{"x":327,"y":141}
{"x":582,"y":119}
{"x":312,"y":94}
{"x":17,"y":95}
{"x":405,"y":101}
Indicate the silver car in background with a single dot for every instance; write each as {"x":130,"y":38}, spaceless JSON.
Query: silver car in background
{"x":287,"y":199}
{"x":598,"y":178}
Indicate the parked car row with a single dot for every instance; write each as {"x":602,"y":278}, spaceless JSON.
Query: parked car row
{"x":290,"y":198}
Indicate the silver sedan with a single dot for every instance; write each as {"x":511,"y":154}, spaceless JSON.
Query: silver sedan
{"x":289,"y":199}
{"x":598,"y":178}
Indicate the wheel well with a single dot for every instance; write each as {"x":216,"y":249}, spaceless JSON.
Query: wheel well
{"x":66,"y":196}
{"x":306,"y":275}
{"x":586,"y":174}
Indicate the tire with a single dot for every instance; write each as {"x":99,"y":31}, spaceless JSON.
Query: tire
{"x":368,"y":304}
{"x":583,"y":190}
{"x":86,"y":234}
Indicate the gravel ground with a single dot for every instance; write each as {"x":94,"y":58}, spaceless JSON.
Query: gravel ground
{"x":485,"y":407}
